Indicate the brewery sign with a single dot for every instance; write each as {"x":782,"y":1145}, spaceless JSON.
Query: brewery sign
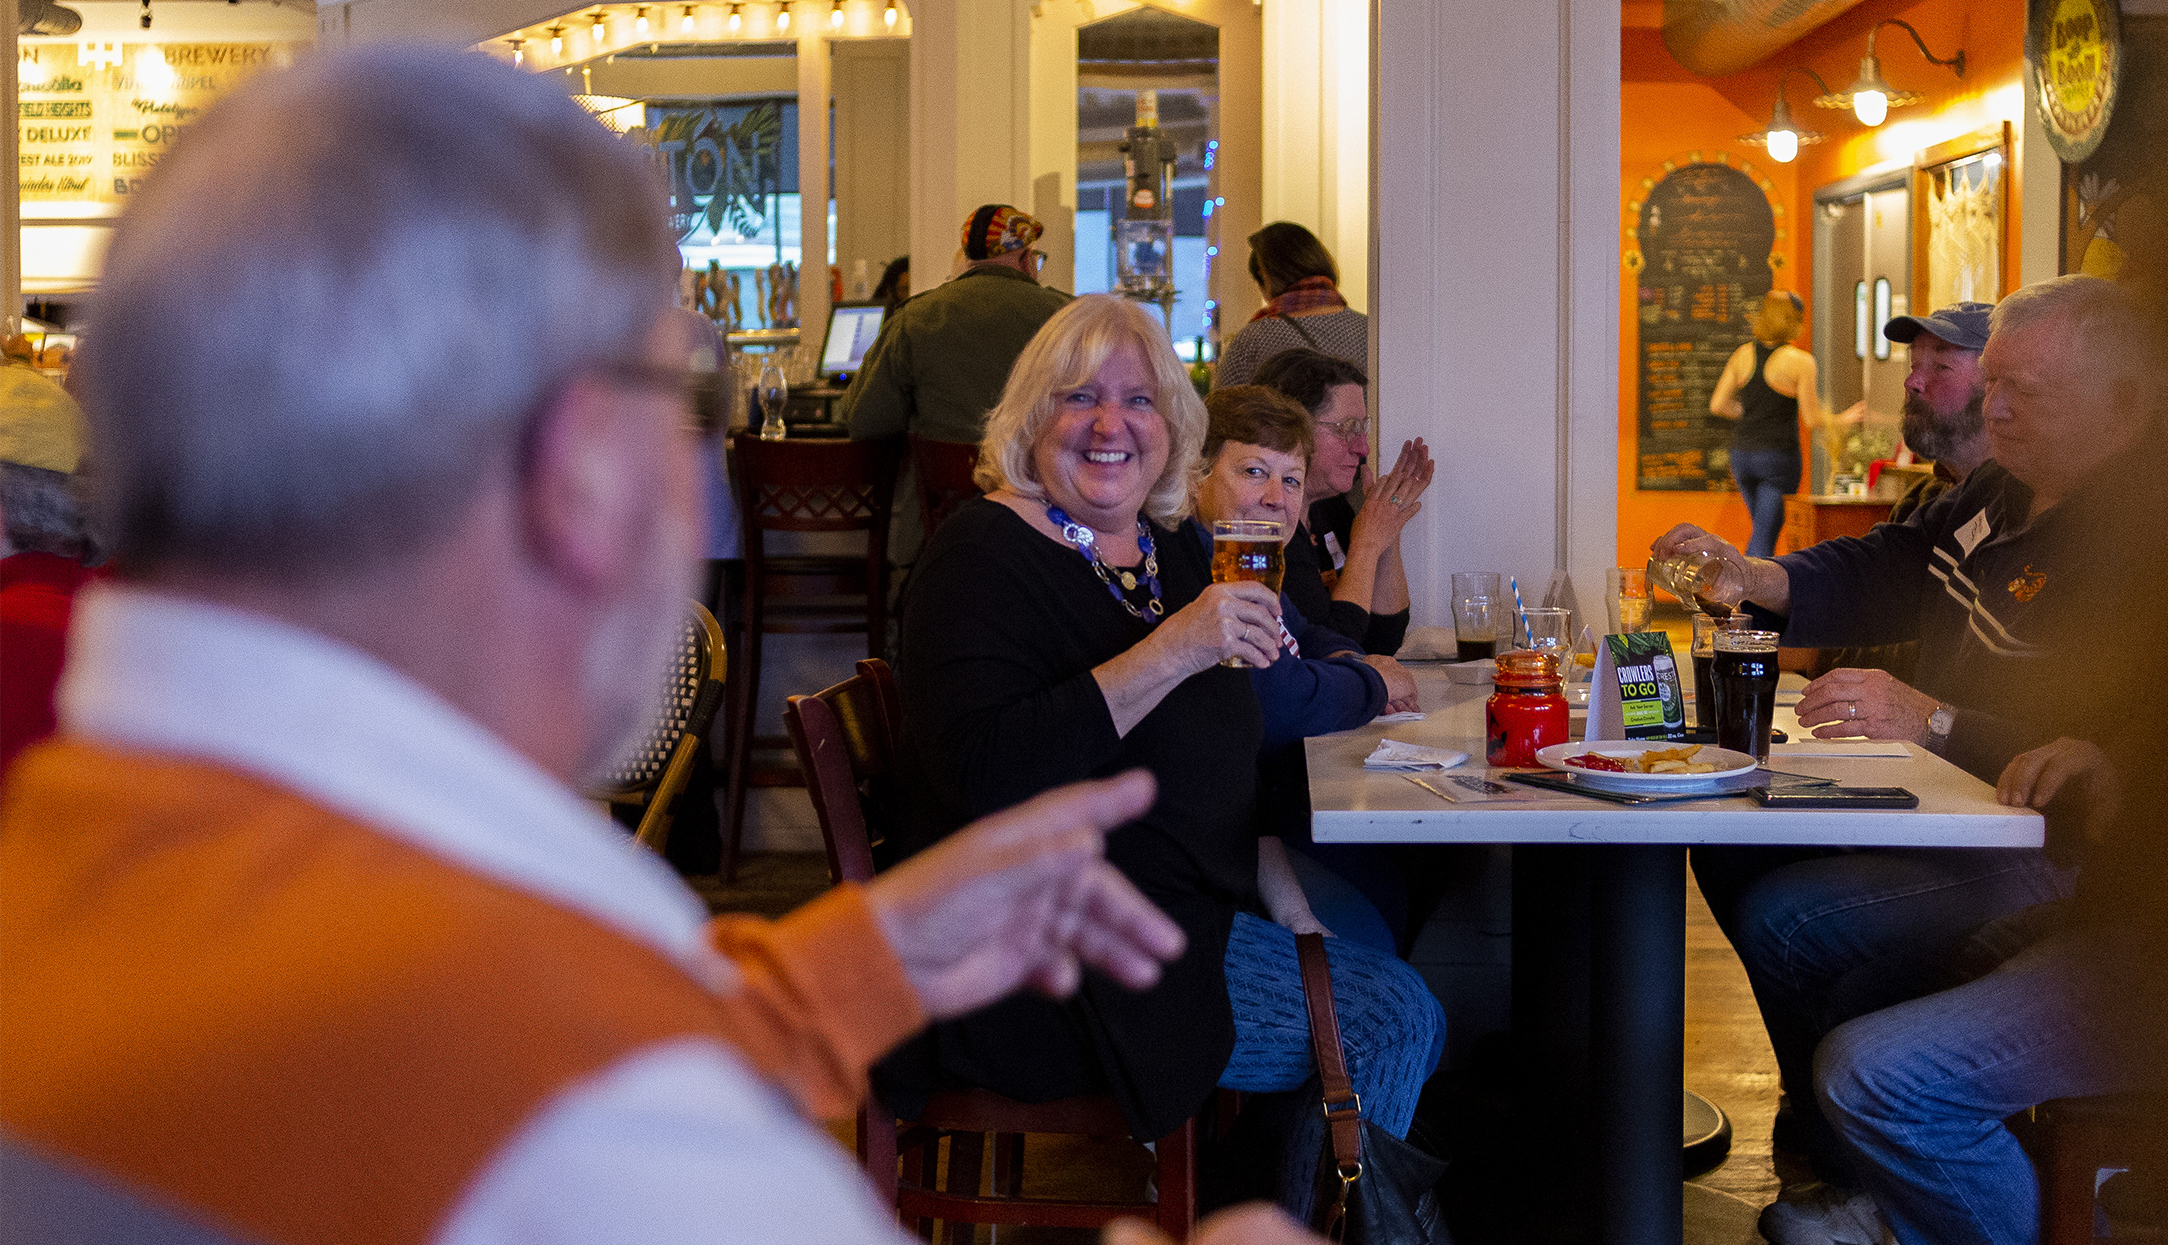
{"x":2074,"y":52}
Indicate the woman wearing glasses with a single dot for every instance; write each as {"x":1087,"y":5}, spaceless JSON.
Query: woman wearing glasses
{"x":1344,"y":567}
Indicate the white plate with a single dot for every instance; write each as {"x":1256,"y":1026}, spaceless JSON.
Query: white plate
{"x":1728,"y":764}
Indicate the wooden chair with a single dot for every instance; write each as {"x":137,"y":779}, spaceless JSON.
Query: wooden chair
{"x":654,"y":776}
{"x":944,"y":478}
{"x":847,"y":739}
{"x":801,"y":486}
{"x":2074,"y":1138}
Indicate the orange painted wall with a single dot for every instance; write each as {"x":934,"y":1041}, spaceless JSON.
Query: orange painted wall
{"x":1667,"y":112}
{"x":1672,"y":121}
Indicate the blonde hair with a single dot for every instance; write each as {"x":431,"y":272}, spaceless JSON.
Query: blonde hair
{"x":1779,"y":319}
{"x":1068,"y":351}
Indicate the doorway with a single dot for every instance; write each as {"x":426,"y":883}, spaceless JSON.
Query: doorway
{"x":1862,"y":278}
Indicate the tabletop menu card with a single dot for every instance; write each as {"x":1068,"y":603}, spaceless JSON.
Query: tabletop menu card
{"x":1635,"y":692}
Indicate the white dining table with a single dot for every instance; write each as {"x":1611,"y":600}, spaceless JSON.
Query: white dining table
{"x":1636,"y":917}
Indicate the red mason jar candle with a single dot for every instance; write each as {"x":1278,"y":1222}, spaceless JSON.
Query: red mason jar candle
{"x":1526,"y":712}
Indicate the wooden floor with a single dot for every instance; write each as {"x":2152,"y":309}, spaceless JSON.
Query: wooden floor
{"x":1728,"y":1060}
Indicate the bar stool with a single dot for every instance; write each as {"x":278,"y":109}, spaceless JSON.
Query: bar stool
{"x":801,"y":486}
{"x":944,"y":478}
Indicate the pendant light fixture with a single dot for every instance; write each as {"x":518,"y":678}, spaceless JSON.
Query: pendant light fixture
{"x":835,"y":14}
{"x":639,"y":22}
{"x":685,"y":24}
{"x":736,"y":21}
{"x":598,"y":32}
{"x":782,"y":16}
{"x":557,"y":41}
{"x":1782,"y":137}
{"x":888,"y":15}
{"x":1870,"y":97}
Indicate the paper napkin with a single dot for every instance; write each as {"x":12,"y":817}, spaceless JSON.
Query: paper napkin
{"x":1393,"y":754}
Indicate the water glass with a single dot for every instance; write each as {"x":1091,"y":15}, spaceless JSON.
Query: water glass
{"x":1627,"y":596}
{"x":1550,"y":631}
{"x":774,"y":396}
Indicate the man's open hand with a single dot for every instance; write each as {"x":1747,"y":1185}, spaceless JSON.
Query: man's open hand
{"x":1865,"y":704}
{"x":1025,"y":897}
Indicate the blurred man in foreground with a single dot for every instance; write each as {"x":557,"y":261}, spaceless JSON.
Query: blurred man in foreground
{"x":307,"y":936}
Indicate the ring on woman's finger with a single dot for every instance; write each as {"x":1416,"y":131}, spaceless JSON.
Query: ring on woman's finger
{"x":1395,"y":499}
{"x":1851,"y":709}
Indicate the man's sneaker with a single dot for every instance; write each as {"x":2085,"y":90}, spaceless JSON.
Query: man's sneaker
{"x":1823,"y":1214}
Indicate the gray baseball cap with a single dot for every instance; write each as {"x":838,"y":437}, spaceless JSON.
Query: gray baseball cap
{"x":1963,"y":325}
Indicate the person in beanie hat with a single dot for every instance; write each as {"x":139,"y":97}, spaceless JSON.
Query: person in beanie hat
{"x":942,"y":357}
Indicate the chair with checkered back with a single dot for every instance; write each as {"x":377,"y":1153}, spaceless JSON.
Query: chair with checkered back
{"x":810,"y":486}
{"x":849,"y":740}
{"x":656,"y":773}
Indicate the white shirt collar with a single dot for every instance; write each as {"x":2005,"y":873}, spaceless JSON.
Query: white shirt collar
{"x":172,"y":674}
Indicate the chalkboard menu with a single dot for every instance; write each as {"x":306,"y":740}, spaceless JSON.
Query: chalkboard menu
{"x":1705,"y":235}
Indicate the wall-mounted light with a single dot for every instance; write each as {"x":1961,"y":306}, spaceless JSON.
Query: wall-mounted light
{"x":888,"y":15}
{"x":598,"y":31}
{"x":736,"y":20}
{"x":519,"y":52}
{"x":1782,"y":138}
{"x":557,"y":41}
{"x":1870,"y":97}
{"x":639,"y":21}
{"x":685,"y":24}
{"x":835,"y":14}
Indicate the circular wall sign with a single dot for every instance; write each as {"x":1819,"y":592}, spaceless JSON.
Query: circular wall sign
{"x":2074,"y":49}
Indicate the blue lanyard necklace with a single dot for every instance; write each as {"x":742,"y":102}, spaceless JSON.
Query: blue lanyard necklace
{"x":1081,"y":536}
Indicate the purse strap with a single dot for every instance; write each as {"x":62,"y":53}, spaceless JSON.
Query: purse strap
{"x":1310,"y":341}
{"x":1343,"y":1108}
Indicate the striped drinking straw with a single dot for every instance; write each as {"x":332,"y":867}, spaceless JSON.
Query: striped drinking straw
{"x":1519,"y":607}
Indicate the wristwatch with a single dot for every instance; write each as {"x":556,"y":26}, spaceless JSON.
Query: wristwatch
{"x":1938,"y":727}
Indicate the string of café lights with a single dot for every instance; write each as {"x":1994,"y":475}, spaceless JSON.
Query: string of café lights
{"x":606,"y":30}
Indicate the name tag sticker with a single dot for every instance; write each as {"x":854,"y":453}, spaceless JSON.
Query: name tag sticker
{"x":1975,"y":531}
{"x":1339,"y":557}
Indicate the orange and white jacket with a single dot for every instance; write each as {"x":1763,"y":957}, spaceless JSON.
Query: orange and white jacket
{"x":291,"y":951}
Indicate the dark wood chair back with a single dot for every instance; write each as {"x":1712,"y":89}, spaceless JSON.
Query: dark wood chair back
{"x":848,"y":739}
{"x":944,"y":478}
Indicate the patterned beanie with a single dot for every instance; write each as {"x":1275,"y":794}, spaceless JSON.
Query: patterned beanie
{"x":997,"y":229}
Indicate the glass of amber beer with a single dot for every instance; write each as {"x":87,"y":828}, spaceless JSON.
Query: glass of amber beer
{"x":1246,"y":550}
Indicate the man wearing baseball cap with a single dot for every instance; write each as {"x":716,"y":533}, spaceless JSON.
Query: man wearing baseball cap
{"x":1943,"y":390}
{"x":941,"y":359}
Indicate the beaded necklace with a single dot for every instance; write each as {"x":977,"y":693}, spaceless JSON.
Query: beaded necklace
{"x":1081,"y":536}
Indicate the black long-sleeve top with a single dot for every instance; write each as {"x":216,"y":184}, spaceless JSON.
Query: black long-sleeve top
{"x":1000,"y":636}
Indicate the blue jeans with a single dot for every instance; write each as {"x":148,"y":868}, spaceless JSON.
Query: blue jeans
{"x":1391,"y":1028}
{"x":1803,"y":921}
{"x":1918,"y":1092}
{"x":1764,"y":477}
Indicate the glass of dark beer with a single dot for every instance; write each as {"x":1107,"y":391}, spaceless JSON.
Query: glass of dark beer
{"x":1478,"y":613}
{"x":1743,"y":673}
{"x":1246,"y":551}
{"x":1706,"y":628}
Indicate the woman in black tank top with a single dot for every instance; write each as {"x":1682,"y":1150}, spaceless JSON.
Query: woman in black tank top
{"x":1765,"y":457}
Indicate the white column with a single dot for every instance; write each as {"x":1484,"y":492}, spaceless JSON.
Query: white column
{"x":11,"y":220}
{"x":1316,"y":145}
{"x":871,"y":84}
{"x":970,"y":121}
{"x":1494,"y":286}
{"x":812,"y":187}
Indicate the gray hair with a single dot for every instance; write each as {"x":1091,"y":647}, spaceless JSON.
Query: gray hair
{"x":2103,"y":318}
{"x":1069,"y":350}
{"x":333,"y":312}
{"x":45,"y":514}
